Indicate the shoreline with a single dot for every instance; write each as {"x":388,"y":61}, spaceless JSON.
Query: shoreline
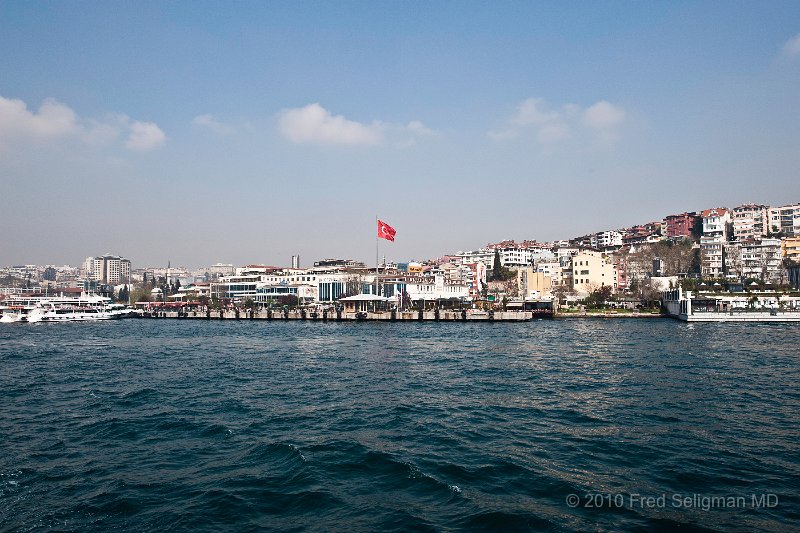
{"x":608,"y":315}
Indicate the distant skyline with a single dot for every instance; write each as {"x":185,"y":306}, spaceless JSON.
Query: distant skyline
{"x":248,"y":132}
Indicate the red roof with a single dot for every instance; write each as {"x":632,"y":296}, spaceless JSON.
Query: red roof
{"x":714,"y":212}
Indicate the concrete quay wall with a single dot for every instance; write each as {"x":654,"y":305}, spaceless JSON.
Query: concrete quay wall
{"x":331,"y":316}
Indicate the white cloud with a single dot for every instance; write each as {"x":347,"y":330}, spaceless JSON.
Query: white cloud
{"x":552,"y":125}
{"x":418,"y":128}
{"x":532,"y":111}
{"x":603,"y":115}
{"x":54,"y":120}
{"x":144,"y":136}
{"x":208,"y":121}
{"x":553,"y":132}
{"x":314,"y":124}
{"x":791,"y":48}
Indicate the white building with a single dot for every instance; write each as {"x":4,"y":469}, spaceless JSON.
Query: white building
{"x":551,"y":268}
{"x":511,"y":257}
{"x":592,"y":270}
{"x":220,"y":269}
{"x":785,"y":220}
{"x":762,"y":260}
{"x":606,"y":239}
{"x":108,"y":269}
{"x":750,"y":222}
{"x":716,"y":229}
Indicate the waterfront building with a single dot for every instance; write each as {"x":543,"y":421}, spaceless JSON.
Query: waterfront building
{"x":532,"y":284}
{"x":684,"y":225}
{"x":785,"y":220}
{"x":591,"y":270}
{"x":716,"y":230}
{"x":750,"y":222}
{"x":419,"y":289}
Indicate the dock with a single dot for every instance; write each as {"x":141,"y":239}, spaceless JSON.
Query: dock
{"x":343,"y":316}
{"x":690,"y":307}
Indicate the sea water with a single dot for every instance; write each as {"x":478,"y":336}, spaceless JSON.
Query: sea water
{"x":242,"y":425}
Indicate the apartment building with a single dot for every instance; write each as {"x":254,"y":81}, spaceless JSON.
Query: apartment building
{"x":606,"y":239}
{"x":790,"y":248}
{"x":108,"y":269}
{"x":681,"y":226}
{"x":762,"y":260}
{"x":533,"y":284}
{"x":716,"y":230}
{"x":785,"y":220}
{"x":590,"y":270}
{"x":750,"y":222}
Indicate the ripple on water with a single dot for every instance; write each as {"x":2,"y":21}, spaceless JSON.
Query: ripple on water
{"x":194,"y":425}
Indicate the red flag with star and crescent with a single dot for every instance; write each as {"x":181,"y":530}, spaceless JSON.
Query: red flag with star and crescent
{"x":385,"y":231}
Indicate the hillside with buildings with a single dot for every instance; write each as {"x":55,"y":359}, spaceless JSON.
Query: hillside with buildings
{"x":745,"y":246}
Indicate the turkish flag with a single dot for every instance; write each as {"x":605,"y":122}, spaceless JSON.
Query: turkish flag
{"x":385,"y":231}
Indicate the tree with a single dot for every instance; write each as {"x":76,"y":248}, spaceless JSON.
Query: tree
{"x":177,"y":285}
{"x":124,"y":294}
{"x":559,"y":293}
{"x":496,"y":266}
{"x":141,"y":294}
{"x":353,"y":285}
{"x":499,"y":272}
{"x":599,"y":296}
{"x":49,"y":274}
{"x":511,"y":288}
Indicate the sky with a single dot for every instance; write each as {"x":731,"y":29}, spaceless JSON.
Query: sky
{"x":246,"y":132}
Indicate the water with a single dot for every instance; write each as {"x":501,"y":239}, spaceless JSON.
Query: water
{"x":194,"y":425}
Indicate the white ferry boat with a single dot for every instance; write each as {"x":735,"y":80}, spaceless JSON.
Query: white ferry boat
{"x":85,"y":307}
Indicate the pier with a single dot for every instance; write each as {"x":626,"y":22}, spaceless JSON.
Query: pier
{"x":689,"y":307}
{"x":345,"y":316}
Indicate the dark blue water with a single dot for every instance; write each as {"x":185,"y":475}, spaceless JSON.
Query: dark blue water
{"x":194,"y":425}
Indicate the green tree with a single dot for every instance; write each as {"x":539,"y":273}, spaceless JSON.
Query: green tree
{"x":496,"y":266}
{"x":599,"y":296}
{"x":141,"y":294}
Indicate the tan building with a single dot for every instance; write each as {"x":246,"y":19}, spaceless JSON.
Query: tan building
{"x":591,"y":270}
{"x":790,"y":248}
{"x":533,"y":284}
{"x":750,"y":222}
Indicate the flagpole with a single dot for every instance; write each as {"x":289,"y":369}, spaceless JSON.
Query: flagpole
{"x":376,"y":254}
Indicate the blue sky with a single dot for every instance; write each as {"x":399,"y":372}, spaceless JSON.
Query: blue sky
{"x":242,"y":132}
